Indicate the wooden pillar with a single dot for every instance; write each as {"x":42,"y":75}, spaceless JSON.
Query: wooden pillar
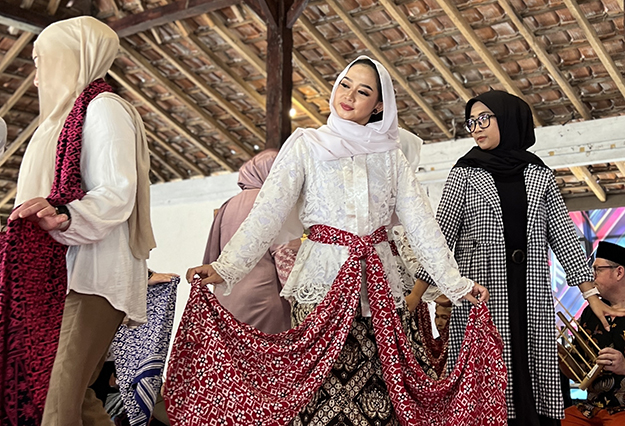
{"x":279,"y":75}
{"x":279,"y":16}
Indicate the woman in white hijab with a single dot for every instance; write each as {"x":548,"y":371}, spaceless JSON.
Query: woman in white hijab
{"x":107,"y":227}
{"x":347,"y":177}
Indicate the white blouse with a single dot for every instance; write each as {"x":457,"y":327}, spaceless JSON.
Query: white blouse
{"x":99,"y":260}
{"x":356,"y":194}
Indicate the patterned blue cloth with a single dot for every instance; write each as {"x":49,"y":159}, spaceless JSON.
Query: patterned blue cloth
{"x":140,"y":353}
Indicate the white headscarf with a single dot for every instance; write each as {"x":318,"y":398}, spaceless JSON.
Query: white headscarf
{"x":410,"y":145}
{"x":343,"y":138}
{"x":71,"y":54}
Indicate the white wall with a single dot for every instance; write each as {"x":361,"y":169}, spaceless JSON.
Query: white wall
{"x":182,"y":214}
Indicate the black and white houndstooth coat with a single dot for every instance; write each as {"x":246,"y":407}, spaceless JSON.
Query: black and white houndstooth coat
{"x":470,"y":216}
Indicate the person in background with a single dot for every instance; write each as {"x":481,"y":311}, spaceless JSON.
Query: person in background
{"x":500,"y":212}
{"x":441,"y":317}
{"x":256,"y":299}
{"x":605,"y":404}
{"x":101,"y":149}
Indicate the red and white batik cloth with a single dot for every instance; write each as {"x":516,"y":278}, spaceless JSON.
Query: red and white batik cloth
{"x":222,"y":372}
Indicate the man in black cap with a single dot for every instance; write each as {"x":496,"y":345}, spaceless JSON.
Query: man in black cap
{"x":606,"y":396}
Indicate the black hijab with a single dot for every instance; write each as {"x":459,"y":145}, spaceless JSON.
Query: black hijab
{"x":516,"y":129}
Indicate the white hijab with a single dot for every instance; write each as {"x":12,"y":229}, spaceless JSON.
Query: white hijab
{"x":343,"y":138}
{"x":71,"y":54}
{"x":410,"y":145}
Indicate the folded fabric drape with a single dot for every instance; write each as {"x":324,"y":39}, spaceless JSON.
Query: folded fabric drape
{"x":225,"y":372}
{"x":33,"y":284}
{"x":140,"y":353}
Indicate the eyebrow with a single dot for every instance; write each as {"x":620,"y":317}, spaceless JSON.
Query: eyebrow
{"x":480,"y":113}
{"x":363,"y":85}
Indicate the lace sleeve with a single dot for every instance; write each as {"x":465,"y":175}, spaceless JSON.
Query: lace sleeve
{"x":274,"y":202}
{"x":425,"y":236}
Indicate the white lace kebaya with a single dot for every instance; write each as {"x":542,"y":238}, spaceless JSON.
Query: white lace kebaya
{"x":357,"y":190}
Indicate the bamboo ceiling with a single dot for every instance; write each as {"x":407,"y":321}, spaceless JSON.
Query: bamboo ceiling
{"x":200,"y":82}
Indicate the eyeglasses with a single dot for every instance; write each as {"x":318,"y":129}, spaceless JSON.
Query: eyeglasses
{"x":598,"y":269}
{"x":483,"y":120}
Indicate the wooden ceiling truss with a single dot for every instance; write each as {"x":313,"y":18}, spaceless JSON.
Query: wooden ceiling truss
{"x":197,"y":70}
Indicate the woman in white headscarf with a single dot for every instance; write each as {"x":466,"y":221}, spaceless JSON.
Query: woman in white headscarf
{"x":345,"y":180}
{"x":106,"y":225}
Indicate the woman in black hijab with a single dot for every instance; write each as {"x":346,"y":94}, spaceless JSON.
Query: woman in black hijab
{"x":500,"y":211}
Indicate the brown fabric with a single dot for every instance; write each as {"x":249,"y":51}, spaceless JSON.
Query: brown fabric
{"x":141,"y":237}
{"x":354,"y":393}
{"x":89,"y":324}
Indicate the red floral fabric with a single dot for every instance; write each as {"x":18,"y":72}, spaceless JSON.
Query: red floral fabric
{"x":33,"y":284}
{"x":222,"y":372}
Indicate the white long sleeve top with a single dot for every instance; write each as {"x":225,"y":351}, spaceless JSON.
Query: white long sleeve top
{"x":99,"y":260}
{"x":356,"y":194}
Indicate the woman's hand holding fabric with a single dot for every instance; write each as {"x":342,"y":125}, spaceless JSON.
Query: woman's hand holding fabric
{"x":206,"y":273}
{"x":161,"y":277}
{"x":40,"y":211}
{"x":477,"y":294}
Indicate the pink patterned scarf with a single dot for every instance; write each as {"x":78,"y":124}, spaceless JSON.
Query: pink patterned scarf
{"x":222,"y":372}
{"x":33,"y":285}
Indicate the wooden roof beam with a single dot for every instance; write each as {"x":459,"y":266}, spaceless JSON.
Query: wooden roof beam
{"x":155,"y":171}
{"x":16,"y":96}
{"x":480,"y":48}
{"x":227,"y":106}
{"x":620,"y":165}
{"x":295,"y":12}
{"x":14,"y":16}
{"x":15,"y":50}
{"x":597,"y":45}
{"x":243,"y":85}
{"x":173,"y":169}
{"x":321,"y":83}
{"x":182,"y":97}
{"x":322,"y":42}
{"x":8,"y":196}
{"x":53,"y":6}
{"x":379,"y":55}
{"x":583,"y":175}
{"x":19,"y":141}
{"x":253,"y":59}
{"x":236,"y":44}
{"x":546,"y":60}
{"x":263,"y":9}
{"x":424,"y":46}
{"x":173,"y":152}
{"x":120,"y":77}
{"x":175,"y":11}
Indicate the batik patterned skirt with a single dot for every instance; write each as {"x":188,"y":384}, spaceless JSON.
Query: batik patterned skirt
{"x":354,"y":393}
